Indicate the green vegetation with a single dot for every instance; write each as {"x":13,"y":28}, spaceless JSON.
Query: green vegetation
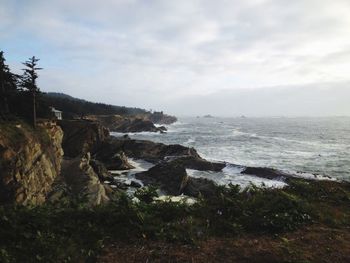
{"x":16,"y":132}
{"x":19,"y":94}
{"x":73,"y":107}
{"x":21,"y":97}
{"x":69,"y":233}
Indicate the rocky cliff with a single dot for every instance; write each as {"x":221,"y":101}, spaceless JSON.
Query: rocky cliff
{"x":118,"y":123}
{"x":82,"y":136}
{"x":30,"y":160}
{"x":79,"y":181}
{"x":161,"y":118}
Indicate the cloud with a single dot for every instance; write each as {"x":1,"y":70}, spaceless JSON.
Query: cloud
{"x":135,"y":51}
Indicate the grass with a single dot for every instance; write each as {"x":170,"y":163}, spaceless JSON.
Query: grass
{"x":16,"y":131}
{"x":76,"y":233}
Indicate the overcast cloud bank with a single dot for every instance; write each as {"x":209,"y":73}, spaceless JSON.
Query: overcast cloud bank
{"x":254,"y":57}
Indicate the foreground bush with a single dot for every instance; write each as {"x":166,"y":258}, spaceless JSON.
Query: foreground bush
{"x":74,"y":232}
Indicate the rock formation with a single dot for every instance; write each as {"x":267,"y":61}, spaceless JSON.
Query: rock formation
{"x":145,"y":150}
{"x":30,"y":160}
{"x":170,"y":177}
{"x":125,"y":124}
{"x":268,"y":173}
{"x":82,"y":180}
{"x":161,"y":118}
{"x":82,"y":136}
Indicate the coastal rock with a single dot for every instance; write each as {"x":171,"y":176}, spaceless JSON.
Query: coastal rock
{"x":196,"y":187}
{"x":197,"y":163}
{"x":82,"y":136}
{"x":162,"y":129}
{"x":112,"y":157}
{"x":161,"y":118}
{"x":264,"y":172}
{"x":101,"y":170}
{"x":125,"y":124}
{"x":82,"y":180}
{"x":30,"y":160}
{"x":141,"y":149}
{"x":170,"y":177}
{"x":135,"y":184}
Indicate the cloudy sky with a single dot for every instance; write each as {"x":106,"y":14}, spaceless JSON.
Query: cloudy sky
{"x":188,"y":57}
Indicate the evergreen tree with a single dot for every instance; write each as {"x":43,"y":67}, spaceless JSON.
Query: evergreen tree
{"x":29,"y":78}
{"x":7,"y":86}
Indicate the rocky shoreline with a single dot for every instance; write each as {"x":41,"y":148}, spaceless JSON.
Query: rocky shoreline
{"x":90,"y":153}
{"x":75,"y":207}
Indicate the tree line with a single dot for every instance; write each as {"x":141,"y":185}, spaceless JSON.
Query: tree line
{"x":75,"y":108}
{"x":20,"y":95}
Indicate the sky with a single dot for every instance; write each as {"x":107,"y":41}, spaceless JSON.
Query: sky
{"x":188,"y":57}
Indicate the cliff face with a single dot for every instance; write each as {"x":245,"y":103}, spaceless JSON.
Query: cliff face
{"x":82,"y":136}
{"x":29,"y":161}
{"x":161,"y":118}
{"x":82,"y":182}
{"x":118,"y":123}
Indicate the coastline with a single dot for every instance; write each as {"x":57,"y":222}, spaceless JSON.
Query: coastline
{"x":96,"y":200}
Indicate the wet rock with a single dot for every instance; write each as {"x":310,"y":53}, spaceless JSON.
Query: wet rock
{"x":197,"y":163}
{"x":170,"y":177}
{"x":264,"y":172}
{"x":135,"y":184}
{"x":145,"y":150}
{"x":162,"y":129}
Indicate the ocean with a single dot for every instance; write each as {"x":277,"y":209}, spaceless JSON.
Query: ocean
{"x":308,"y":147}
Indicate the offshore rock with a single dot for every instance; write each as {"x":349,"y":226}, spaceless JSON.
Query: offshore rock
{"x":170,"y":177}
{"x":145,"y":150}
{"x":197,"y":163}
{"x":268,"y":173}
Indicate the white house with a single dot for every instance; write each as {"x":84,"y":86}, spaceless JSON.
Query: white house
{"x":57,"y":113}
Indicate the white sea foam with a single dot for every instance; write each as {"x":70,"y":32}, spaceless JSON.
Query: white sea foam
{"x":311,"y":145}
{"x":237,"y":132}
{"x":126,"y":176}
{"x":190,"y":141}
{"x":231,"y":174}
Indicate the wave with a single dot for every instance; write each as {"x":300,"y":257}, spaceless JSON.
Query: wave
{"x":231,"y":174}
{"x":191,"y":140}
{"x":237,"y":132}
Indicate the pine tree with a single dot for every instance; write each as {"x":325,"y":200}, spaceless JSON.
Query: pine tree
{"x":29,"y":78}
{"x":7,"y":86}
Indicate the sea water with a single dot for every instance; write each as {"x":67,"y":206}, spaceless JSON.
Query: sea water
{"x":307,"y":147}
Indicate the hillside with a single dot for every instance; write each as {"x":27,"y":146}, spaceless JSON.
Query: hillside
{"x":74,"y":107}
